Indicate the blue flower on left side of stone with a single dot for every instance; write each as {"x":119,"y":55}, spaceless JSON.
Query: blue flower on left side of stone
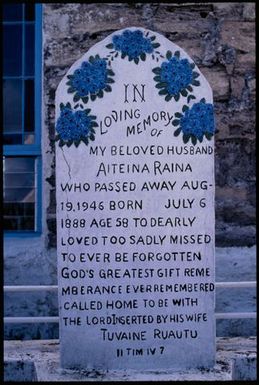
{"x":74,"y":126}
{"x":195,"y":122}
{"x":133,"y":44}
{"x":90,"y":80}
{"x":175,"y":77}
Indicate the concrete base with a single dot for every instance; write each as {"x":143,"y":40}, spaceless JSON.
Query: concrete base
{"x":235,"y":360}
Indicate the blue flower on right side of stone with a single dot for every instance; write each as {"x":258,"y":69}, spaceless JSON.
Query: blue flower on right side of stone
{"x":90,"y":80}
{"x":133,"y":44}
{"x":175,"y":77}
{"x":195,"y":122}
{"x":74,"y":126}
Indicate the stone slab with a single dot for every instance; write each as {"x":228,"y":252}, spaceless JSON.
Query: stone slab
{"x":135,"y":207}
{"x":45,"y":356}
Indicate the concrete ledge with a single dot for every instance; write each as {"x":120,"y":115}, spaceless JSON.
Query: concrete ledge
{"x":235,"y":360}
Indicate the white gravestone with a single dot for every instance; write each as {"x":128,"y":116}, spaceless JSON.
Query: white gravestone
{"x":135,"y":207}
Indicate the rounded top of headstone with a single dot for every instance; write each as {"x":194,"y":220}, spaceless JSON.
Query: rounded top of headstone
{"x":133,"y":55}
{"x":134,"y":44}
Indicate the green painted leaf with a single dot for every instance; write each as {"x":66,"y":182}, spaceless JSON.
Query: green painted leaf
{"x":57,"y":137}
{"x":69,"y":143}
{"x":110,"y":72}
{"x":93,"y":97}
{"x":61,"y":143}
{"x":184,"y":92}
{"x":108,"y":88}
{"x":208,"y":135}
{"x":91,"y":59}
{"x":77,"y":142}
{"x":196,"y":82}
{"x":178,"y":115}
{"x":69,"y":83}
{"x":97,"y":57}
{"x":92,"y":130}
{"x":177,"y":54}
{"x":130,"y":58}
{"x":92,"y":137}
{"x":94,"y":124}
{"x":200,"y":139}
{"x":168,"y":97}
{"x":193,"y":139}
{"x":176,"y":122}
{"x":156,"y":70}
{"x":185,"y":108}
{"x":100,"y":94}
{"x":61,"y":105}
{"x":192,"y":65}
{"x":177,"y":97}
{"x":70,"y":90}
{"x":123,"y":55}
{"x":169,"y":55}
{"x":85,"y":99}
{"x":189,"y":88}
{"x":186,"y":138}
{"x":153,"y":56}
{"x":195,"y":75}
{"x":81,"y":105}
{"x":117,"y":53}
{"x":85,"y":140}
{"x":155,"y":45}
{"x":92,"y":117}
{"x":157,"y":78}
{"x":136,"y":60}
{"x":161,"y":85}
{"x":190,"y":97}
{"x":152,"y":38}
{"x":162,"y":92}
{"x":76,"y":98}
{"x":68,"y":105}
{"x":177,"y":132}
{"x":70,"y":76}
{"x":203,"y":100}
{"x":143,"y":56}
{"x":77,"y":105}
{"x":109,"y":46}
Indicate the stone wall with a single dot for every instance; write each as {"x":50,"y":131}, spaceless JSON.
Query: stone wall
{"x":220,"y":38}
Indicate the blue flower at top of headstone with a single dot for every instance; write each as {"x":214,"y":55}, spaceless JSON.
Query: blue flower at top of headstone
{"x":133,"y":44}
{"x":175,"y":77}
{"x":195,"y":122}
{"x":74,"y":126}
{"x":90,"y":80}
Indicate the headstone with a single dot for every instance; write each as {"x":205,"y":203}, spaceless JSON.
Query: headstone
{"x":135,"y":207}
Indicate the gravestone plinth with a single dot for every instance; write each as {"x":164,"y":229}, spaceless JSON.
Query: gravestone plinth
{"x":135,"y":207}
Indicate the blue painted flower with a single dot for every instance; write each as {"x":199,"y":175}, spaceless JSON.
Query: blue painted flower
{"x":175,"y":77}
{"x":133,"y":44}
{"x":91,"y":79}
{"x":74,"y":126}
{"x":195,"y":122}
